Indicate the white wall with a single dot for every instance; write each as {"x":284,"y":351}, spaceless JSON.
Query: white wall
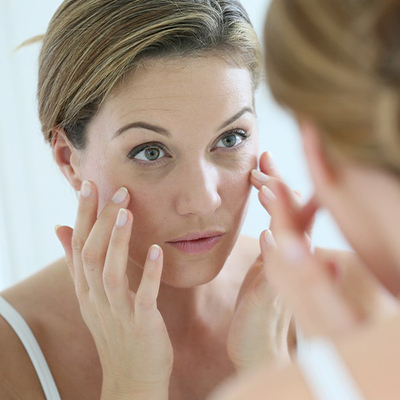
{"x":34,"y":196}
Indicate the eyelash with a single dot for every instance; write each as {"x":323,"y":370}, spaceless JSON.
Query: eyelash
{"x":137,"y":150}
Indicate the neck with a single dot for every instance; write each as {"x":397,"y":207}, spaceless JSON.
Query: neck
{"x":184,"y":310}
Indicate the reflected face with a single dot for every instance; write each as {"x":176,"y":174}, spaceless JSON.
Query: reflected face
{"x":181,"y":136}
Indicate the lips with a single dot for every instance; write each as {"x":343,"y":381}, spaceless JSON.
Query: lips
{"x":197,"y":243}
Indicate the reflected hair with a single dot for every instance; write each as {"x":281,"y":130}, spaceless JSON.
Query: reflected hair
{"x":337,"y":63}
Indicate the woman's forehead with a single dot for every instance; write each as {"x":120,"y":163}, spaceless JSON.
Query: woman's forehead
{"x":197,"y":80}
{"x":176,"y":91}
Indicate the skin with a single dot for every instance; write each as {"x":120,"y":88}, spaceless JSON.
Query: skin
{"x":345,"y":189}
{"x":201,"y":189}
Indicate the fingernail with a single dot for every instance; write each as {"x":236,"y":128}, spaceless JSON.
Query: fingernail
{"x":86,"y":189}
{"x":268,"y":193}
{"x":293,"y":249}
{"x":260,"y":176}
{"x":122,"y":217}
{"x":56,"y":227}
{"x":269,"y":154}
{"x":154,"y":252}
{"x":120,"y":196}
{"x":269,"y":239}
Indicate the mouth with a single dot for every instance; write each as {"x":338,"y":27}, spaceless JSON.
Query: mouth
{"x":196,"y":243}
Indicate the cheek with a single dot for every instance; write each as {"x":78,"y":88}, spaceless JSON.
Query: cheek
{"x":235,"y":183}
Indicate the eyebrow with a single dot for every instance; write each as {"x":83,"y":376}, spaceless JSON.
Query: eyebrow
{"x":165,"y":132}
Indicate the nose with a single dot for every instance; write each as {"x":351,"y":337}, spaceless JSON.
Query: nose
{"x":198,"y":191}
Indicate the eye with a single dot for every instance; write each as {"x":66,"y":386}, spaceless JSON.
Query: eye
{"x":147,"y":153}
{"x":232,"y":139}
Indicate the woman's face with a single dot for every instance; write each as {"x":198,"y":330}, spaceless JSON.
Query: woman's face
{"x":181,"y":136}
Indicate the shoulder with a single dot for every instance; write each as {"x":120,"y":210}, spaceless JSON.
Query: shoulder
{"x":31,"y":299}
{"x":18,"y":376}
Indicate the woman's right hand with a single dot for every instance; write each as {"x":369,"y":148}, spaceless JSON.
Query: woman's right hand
{"x":129,"y":332}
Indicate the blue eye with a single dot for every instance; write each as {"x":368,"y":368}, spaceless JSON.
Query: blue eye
{"x":232,"y":139}
{"x":148,"y":153}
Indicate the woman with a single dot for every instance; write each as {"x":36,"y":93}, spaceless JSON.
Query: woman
{"x":336,"y":66}
{"x":155,"y":98}
{"x":149,"y":109}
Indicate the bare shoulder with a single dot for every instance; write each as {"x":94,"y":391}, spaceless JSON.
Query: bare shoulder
{"x":31,"y":300}
{"x":18,"y":376}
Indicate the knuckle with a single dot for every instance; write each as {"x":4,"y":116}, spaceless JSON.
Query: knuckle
{"x":118,"y":239}
{"x":111,"y":281}
{"x":77,"y":243}
{"x":81,"y":293}
{"x":144,"y":302}
{"x":90,"y":256}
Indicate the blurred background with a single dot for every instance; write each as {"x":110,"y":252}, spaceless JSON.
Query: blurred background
{"x":35,"y":196}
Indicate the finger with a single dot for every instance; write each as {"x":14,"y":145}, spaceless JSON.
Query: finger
{"x":268,"y":170}
{"x":64,"y":235}
{"x":146,"y":295}
{"x":97,"y":243}
{"x":115,"y":280}
{"x":268,"y":166}
{"x":308,"y":289}
{"x":267,"y":199}
{"x":287,"y":215}
{"x":307,"y":215}
{"x":85,"y":219}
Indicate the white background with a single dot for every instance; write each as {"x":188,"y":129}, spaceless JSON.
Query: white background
{"x":34,"y":196}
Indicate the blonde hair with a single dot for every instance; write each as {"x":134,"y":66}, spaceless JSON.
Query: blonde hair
{"x":92,"y":45}
{"x":337,"y":62}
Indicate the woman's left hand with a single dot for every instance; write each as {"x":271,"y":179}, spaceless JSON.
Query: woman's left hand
{"x":259,"y":329}
{"x":260,"y":326}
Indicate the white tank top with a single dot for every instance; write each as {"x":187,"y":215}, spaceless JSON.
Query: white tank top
{"x":31,"y":345}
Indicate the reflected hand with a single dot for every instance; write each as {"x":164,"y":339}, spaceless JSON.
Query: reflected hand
{"x":322,"y":304}
{"x":264,"y":180}
{"x":129,"y":332}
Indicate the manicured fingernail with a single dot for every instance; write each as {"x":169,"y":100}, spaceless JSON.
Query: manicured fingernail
{"x":268,"y":193}
{"x":120,"y":196}
{"x":86,"y":189}
{"x":293,"y":249}
{"x":270,"y":155}
{"x":122,"y":217}
{"x":260,"y":176}
{"x":154,"y":252}
{"x":56,"y":228}
{"x":269,"y":239}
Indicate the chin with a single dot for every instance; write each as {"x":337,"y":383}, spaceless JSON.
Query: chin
{"x":185,"y":274}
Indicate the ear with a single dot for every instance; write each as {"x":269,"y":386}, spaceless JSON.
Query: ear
{"x":67,"y":158}
{"x":321,"y":170}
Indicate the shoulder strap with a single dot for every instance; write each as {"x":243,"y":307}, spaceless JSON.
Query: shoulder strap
{"x":32,"y":347}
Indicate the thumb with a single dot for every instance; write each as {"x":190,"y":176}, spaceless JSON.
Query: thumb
{"x":64,"y":235}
